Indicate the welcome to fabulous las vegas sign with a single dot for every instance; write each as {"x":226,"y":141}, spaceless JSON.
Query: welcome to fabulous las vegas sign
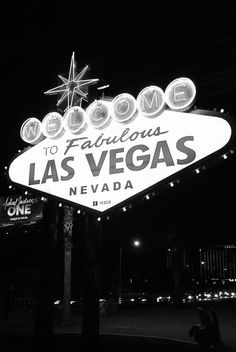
{"x":114,"y":150}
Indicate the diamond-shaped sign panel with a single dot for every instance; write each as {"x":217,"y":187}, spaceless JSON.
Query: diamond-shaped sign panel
{"x":100,"y":169}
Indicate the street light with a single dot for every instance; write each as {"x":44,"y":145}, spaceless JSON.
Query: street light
{"x":135,"y":243}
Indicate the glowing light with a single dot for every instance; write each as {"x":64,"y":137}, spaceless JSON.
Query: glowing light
{"x":103,"y":87}
{"x":60,"y":205}
{"x":137,"y":243}
{"x":52,"y":125}
{"x":30,"y":131}
{"x":151,"y":101}
{"x":99,"y":114}
{"x":124,"y":107}
{"x":74,"y":120}
{"x":73,"y":88}
{"x":57,"y":302}
{"x":180,"y":94}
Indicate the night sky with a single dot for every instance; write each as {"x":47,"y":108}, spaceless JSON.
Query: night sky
{"x":131,"y":48}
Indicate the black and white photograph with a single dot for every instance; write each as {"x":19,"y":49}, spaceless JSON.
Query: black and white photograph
{"x":118,"y":176}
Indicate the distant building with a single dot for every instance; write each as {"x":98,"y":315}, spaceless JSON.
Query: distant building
{"x":213,"y":264}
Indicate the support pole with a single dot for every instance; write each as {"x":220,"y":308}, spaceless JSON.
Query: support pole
{"x":91,"y":280}
{"x":120,"y":276}
{"x":67,"y":230}
{"x":44,"y":313}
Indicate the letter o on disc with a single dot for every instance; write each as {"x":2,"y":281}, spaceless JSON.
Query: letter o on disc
{"x":180,"y":94}
{"x":52,"y":125}
{"x":74,"y":120}
{"x":98,"y":114}
{"x":124,"y":108}
{"x":31,"y":131}
{"x":151,"y":101}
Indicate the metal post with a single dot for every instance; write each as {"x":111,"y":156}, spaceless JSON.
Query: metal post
{"x":91,"y":280}
{"x":120,"y":276}
{"x":67,"y":229}
{"x":44,"y":314}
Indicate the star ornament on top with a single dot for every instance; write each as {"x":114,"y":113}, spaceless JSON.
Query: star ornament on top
{"x":73,"y":89}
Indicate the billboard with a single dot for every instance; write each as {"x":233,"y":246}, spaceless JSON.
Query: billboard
{"x":109,"y":153}
{"x":20,"y":209}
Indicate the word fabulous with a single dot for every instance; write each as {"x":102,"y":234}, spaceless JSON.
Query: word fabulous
{"x":124,"y":108}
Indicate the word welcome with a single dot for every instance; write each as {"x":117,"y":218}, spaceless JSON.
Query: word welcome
{"x":124,"y":108}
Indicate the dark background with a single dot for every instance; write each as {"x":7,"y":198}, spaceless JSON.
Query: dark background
{"x":130,"y":47}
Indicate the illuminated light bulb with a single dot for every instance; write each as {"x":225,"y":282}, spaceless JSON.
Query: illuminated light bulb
{"x":222,"y":110}
{"x":103,"y":87}
{"x":180,"y":94}
{"x":99,"y":219}
{"x":31,"y":131}
{"x":171,"y":184}
{"x":147,"y":196}
{"x":74,"y":120}
{"x":10,"y":186}
{"x":225,"y":156}
{"x":5,"y":167}
{"x":42,"y":198}
{"x":19,"y":151}
{"x":197,"y":171}
{"x":52,"y":125}
{"x":60,"y":205}
{"x":151,"y":101}
{"x":124,"y":208}
{"x":78,"y":211}
{"x":124,"y":108}
{"x":98,"y":114}
{"x":26,"y":192}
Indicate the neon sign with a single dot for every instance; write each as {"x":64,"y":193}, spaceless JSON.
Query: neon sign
{"x":112,"y":151}
{"x":124,"y":108}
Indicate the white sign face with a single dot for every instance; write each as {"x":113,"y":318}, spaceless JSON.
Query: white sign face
{"x":101,"y":168}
